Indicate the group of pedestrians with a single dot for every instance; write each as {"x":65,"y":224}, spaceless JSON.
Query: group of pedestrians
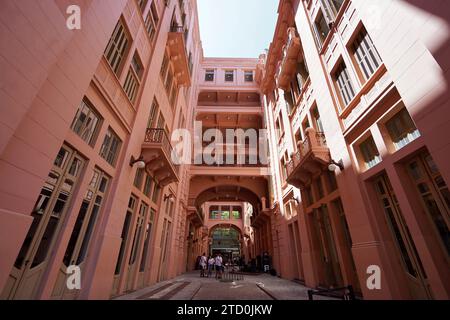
{"x":207,"y":264}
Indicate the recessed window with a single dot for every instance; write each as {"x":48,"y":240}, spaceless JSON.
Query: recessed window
{"x":164,"y":66}
{"x":138,"y":178}
{"x":331,"y":181}
{"x":284,"y":162}
{"x":154,"y":13}
{"x":229,"y":75}
{"x":305,"y":124}
{"x":131,"y":85}
{"x":148,"y":186}
{"x":151,"y":21}
{"x":173,"y":95}
{"x":317,"y":120}
{"x":110,"y":147}
{"x":209,"y":75}
{"x":290,"y":101}
{"x":366,"y":54}
{"x":85,"y":122}
{"x":308,"y":196}
{"x":151,"y":123}
{"x":344,"y":84}
{"x":225,"y":215}
{"x":137,"y":65}
{"x":214,"y":212}
{"x":401,"y":129}
{"x":191,"y":63}
{"x":301,"y":74}
{"x":142,"y":4}
{"x":369,"y":152}
{"x":298,"y":137}
{"x":248,"y":76}
{"x":331,"y":8}
{"x":147,"y":237}
{"x":169,"y":81}
{"x":117,"y":47}
{"x":236,"y":212}
{"x":321,"y":28}
{"x":434,"y":193}
{"x":156,"y":193}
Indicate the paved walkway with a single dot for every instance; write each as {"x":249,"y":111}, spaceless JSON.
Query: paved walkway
{"x":191,"y":286}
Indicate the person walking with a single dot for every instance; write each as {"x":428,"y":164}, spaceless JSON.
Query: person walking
{"x":203,"y":263}
{"x":211,"y":262}
{"x":218,"y":264}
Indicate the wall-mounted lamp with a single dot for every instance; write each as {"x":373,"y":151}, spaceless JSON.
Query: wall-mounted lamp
{"x":169,"y":197}
{"x":139,"y":162}
{"x":334,"y":165}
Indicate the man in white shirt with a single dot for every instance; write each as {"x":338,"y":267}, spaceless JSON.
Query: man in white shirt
{"x":218,"y":264}
{"x":211,"y":263}
{"x":203,"y":263}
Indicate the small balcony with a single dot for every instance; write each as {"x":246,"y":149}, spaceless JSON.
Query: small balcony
{"x":196,"y":217}
{"x":178,"y":55}
{"x":157,"y":154}
{"x":311,"y":158}
{"x":288,"y":64}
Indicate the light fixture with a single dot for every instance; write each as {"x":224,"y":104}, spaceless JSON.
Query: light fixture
{"x":334,"y":165}
{"x":139,"y":162}
{"x":169,"y":197}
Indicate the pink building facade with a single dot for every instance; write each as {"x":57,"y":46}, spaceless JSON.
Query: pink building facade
{"x":354,"y":99}
{"x":77,"y":107}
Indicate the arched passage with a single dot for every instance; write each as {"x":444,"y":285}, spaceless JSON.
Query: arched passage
{"x":228,"y":193}
{"x":226,"y":239}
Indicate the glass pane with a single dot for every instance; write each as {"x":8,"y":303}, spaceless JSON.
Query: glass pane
{"x":438,"y":219}
{"x":60,"y":204}
{"x":75,"y":233}
{"x":103,"y":185}
{"x":28,"y":240}
{"x":94,"y":179}
{"x":148,"y":185}
{"x":415,"y":170}
{"x":89,"y":230}
{"x":46,"y":240}
{"x":146,"y":247}
{"x":61,"y":158}
{"x":400,"y":242}
{"x":75,"y":167}
{"x":124,"y":236}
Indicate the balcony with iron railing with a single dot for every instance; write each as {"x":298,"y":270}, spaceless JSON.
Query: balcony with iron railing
{"x":176,"y":43}
{"x":157,"y":154}
{"x":288,"y":63}
{"x":311,"y":158}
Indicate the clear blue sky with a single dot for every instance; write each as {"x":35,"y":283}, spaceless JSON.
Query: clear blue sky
{"x":236,"y":28}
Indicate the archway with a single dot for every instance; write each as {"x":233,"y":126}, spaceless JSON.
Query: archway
{"x":226,"y":239}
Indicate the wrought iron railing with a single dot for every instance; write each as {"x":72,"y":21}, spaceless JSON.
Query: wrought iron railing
{"x":157,"y":135}
{"x":304,"y":147}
